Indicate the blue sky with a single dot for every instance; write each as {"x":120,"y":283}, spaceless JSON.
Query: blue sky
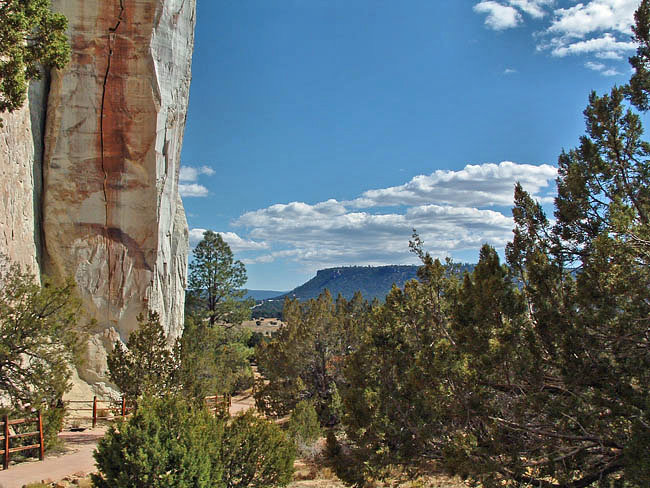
{"x":320,"y":132}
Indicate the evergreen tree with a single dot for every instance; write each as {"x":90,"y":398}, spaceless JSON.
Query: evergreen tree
{"x":304,"y":360}
{"x":40,"y":341}
{"x":31,"y":35}
{"x":39,"y":337}
{"x":213,"y":360}
{"x":148,"y":365}
{"x":215,"y":283}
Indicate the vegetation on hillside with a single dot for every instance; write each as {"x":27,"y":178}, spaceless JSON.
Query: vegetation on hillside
{"x":372,"y":282}
{"x":530,"y":374}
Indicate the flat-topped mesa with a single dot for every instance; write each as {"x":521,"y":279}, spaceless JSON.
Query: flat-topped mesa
{"x":112,"y":215}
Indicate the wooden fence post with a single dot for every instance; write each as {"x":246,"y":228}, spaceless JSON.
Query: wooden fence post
{"x":123,"y":407}
{"x":40,"y":435}
{"x":6,"y":465}
{"x":94,"y":411}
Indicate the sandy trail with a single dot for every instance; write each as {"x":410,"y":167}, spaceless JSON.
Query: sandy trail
{"x":78,"y":458}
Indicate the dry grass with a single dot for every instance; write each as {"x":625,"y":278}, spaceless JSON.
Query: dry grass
{"x":314,"y":469}
{"x":267,"y":326}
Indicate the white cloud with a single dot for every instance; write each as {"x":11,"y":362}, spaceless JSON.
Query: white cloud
{"x":611,"y":72}
{"x":192,"y":190}
{"x":499,"y":17}
{"x":606,"y":46}
{"x":602,"y":68}
{"x":594,"y":16}
{"x":509,"y":71}
{"x":235,"y":242}
{"x":443,"y":207}
{"x":365,"y":238}
{"x":191,"y":174}
{"x":187,"y":177}
{"x":474,"y":185}
{"x":597,"y":27}
{"x":534,"y":8}
{"x":595,"y":66}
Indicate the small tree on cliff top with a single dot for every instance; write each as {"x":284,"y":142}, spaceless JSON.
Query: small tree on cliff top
{"x":30,"y":35}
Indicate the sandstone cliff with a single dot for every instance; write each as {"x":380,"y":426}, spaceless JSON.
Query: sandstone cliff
{"x":21,"y":153}
{"x":111,"y":214}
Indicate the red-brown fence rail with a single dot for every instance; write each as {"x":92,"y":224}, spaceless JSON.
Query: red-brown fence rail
{"x":219,"y":404}
{"x":9,"y":435}
{"x":96,"y":409}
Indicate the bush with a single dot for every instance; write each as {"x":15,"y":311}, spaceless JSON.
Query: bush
{"x":244,"y":379}
{"x":166,"y":443}
{"x":170,"y":443}
{"x":304,"y":427}
{"x":256,"y":453}
{"x":52,"y":425}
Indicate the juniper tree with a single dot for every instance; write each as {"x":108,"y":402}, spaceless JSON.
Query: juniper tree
{"x":31,"y":35}
{"x":149,"y":363}
{"x":304,"y":360}
{"x":41,"y":339}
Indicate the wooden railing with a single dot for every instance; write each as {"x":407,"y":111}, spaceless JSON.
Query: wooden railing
{"x":97,"y":409}
{"x":8,"y":436}
{"x":217,"y":405}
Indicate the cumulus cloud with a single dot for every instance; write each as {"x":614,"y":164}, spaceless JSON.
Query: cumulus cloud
{"x":534,"y":8}
{"x":602,"y":68}
{"x":474,"y":185}
{"x":594,"y":16}
{"x":189,"y":173}
{"x":366,"y":238}
{"x":188,"y":176}
{"x":445,"y":208}
{"x":236,"y":243}
{"x":192,"y":190}
{"x":597,"y":27}
{"x":606,"y":46}
{"x":499,"y":17}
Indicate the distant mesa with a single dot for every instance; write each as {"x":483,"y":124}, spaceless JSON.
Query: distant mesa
{"x":372,"y":281}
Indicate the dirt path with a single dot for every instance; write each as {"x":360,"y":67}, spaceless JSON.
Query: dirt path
{"x":242,"y":402}
{"x":77,"y":458}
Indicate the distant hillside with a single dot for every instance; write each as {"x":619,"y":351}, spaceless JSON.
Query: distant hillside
{"x":263,"y":294}
{"x":371,"y":281}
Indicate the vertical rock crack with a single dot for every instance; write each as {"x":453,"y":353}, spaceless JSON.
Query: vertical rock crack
{"x":112,"y":31}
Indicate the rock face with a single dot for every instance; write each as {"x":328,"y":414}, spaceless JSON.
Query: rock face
{"x":21,"y":180}
{"x":112,"y":216}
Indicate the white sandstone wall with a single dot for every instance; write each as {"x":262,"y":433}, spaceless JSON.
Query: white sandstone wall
{"x":112,"y":216}
{"x":20,"y":181}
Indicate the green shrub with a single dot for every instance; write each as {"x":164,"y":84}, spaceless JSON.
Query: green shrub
{"x":244,"y":379}
{"x":167,"y":443}
{"x":304,"y":427}
{"x":170,"y":443}
{"x":52,"y":425}
{"x":256,"y":453}
{"x":332,"y":446}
